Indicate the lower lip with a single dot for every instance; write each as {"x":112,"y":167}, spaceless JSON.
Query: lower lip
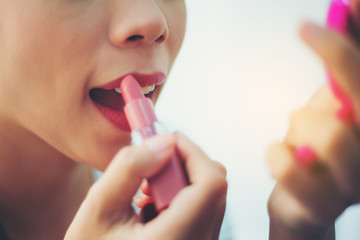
{"x":117,"y":118}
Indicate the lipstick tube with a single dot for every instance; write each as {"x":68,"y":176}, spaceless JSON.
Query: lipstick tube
{"x":143,"y":122}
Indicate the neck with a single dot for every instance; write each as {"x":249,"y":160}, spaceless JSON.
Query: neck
{"x":40,"y":188}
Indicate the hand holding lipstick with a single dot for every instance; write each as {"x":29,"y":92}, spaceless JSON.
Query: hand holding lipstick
{"x":309,"y":197}
{"x":195,"y":213}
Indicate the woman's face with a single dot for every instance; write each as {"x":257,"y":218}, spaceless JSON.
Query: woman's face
{"x":61,"y":60}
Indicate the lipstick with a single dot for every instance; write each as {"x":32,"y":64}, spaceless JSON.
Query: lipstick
{"x":144,"y":124}
{"x":338,"y":19}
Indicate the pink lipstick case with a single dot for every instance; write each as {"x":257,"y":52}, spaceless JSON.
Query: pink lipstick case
{"x":338,"y":20}
{"x":144,"y":124}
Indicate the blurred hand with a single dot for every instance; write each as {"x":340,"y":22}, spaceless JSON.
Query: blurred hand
{"x":195,"y":213}
{"x":307,"y":199}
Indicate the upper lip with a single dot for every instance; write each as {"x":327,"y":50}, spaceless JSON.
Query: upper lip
{"x":144,"y":80}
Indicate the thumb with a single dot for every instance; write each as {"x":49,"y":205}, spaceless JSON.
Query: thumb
{"x":114,"y":192}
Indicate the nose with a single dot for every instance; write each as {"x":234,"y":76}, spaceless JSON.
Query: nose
{"x":139,"y":23}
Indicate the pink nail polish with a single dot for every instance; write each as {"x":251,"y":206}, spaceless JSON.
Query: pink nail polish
{"x":305,"y":156}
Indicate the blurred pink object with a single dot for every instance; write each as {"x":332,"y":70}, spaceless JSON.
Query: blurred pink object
{"x":338,"y":20}
{"x":305,"y":156}
{"x":144,"y":124}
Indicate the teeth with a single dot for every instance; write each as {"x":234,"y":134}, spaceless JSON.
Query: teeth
{"x":145,"y":90}
{"x":148,"y":89}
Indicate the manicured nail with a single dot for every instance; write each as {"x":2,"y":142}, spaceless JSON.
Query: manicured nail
{"x":137,"y":199}
{"x":305,"y":156}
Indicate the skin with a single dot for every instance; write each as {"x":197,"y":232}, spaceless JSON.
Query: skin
{"x":106,"y":214}
{"x":314,"y":199}
{"x":52,"y":54}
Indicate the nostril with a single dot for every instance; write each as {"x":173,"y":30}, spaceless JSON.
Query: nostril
{"x":160,"y":39}
{"x":135,"y":38}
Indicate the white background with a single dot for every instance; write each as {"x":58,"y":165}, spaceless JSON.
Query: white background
{"x":241,"y":72}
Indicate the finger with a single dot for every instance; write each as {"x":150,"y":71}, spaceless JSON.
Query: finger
{"x":334,"y":142}
{"x":141,"y":200}
{"x":115,"y":190}
{"x":340,"y":55}
{"x":324,"y":100}
{"x":293,"y":220}
{"x":316,"y":195}
{"x":192,"y":153}
{"x":145,"y":187}
{"x":279,"y":159}
{"x":218,"y":220}
{"x":199,"y":203}
{"x":194,"y":157}
{"x":207,"y":192}
{"x":221,"y":167}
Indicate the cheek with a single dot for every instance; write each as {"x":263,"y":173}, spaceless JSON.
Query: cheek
{"x":33,"y":70}
{"x":177,"y":25}
{"x":46,"y":38}
{"x":47,"y":56}
{"x":44,"y":66}
{"x":20,"y":66}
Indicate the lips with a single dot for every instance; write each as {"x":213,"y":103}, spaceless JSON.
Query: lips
{"x":110,"y":102}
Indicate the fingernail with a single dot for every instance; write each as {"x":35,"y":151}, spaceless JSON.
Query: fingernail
{"x":159,"y":145}
{"x":311,"y":32}
{"x":137,"y":198}
{"x":305,"y":156}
